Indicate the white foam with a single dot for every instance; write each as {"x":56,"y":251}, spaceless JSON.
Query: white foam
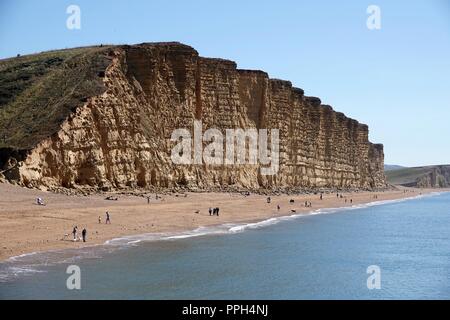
{"x":200,"y":231}
{"x":29,"y":263}
{"x":12,"y":259}
{"x":11,"y":272}
{"x":229,"y":228}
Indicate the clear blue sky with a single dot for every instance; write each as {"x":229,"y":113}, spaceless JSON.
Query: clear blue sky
{"x":396,"y":79}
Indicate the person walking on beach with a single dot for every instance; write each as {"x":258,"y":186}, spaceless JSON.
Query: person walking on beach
{"x":321,"y":196}
{"x":148,"y":200}
{"x":83,"y":234}
{"x":210,"y":211}
{"x":217,"y":211}
{"x":74,"y":232}
{"x":99,"y":219}
{"x":268,"y":199}
{"x":278,"y":207}
{"x":107,"y":218}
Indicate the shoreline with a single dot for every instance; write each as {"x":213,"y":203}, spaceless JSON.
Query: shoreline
{"x":217,"y":229}
{"x":28,"y":228}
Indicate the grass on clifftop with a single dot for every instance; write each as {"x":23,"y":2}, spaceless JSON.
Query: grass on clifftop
{"x":409,"y":176}
{"x":406,"y":175}
{"x":38,"y":92}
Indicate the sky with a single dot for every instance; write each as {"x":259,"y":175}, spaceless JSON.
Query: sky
{"x":396,"y":78}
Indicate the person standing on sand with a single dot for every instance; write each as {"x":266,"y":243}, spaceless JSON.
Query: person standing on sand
{"x":107,"y":218}
{"x":99,"y":219}
{"x":148,"y":200}
{"x":321,"y":196}
{"x":83,"y":234}
{"x":217,"y":212}
{"x":278,"y":207}
{"x":74,"y":232}
{"x":210,"y":211}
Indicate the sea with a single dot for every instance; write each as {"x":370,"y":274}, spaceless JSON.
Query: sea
{"x":397,"y":249}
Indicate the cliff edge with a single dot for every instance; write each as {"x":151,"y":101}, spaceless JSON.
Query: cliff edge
{"x":102,"y":118}
{"x":421,"y":177}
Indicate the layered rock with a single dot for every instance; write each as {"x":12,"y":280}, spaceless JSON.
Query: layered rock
{"x":421,"y":177}
{"x":120,"y":137}
{"x":438,"y":177}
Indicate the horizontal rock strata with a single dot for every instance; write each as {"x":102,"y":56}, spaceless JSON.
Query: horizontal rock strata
{"x":119,"y":137}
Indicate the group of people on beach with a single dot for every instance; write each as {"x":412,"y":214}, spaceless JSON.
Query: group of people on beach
{"x":75,"y":234}
{"x":108,"y":218}
{"x":214,"y":211}
{"x":351,"y":200}
{"x":156,"y":198}
{"x":308,"y":204}
{"x":84,"y":231}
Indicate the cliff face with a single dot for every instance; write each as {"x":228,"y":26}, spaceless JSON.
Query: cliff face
{"x":439,"y":177}
{"x":119,"y":136}
{"x":421,"y":177}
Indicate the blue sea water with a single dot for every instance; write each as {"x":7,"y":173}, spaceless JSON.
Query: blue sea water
{"x":324,"y":255}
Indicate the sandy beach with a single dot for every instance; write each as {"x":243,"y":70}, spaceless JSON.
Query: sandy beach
{"x":27,"y":227}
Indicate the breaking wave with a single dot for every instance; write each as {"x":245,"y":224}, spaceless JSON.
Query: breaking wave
{"x":35,"y":262}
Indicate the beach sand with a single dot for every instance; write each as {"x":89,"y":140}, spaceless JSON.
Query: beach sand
{"x":27,"y":227}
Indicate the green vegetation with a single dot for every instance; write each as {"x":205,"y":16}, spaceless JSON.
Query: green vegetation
{"x":406,"y":175}
{"x":389,"y":167}
{"x":38,"y":92}
{"x":429,"y":176}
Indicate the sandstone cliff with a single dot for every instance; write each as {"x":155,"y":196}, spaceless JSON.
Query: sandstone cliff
{"x":103,"y":117}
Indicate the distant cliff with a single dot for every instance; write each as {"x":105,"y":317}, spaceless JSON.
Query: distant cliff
{"x":421,"y":177}
{"x":102,"y":117}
